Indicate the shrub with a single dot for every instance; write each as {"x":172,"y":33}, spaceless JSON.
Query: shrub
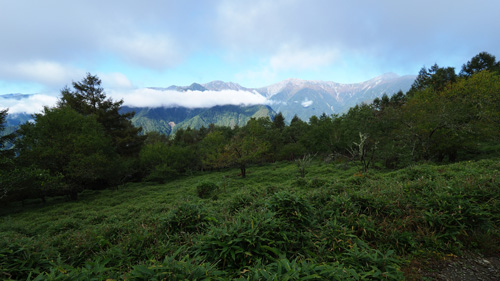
{"x":303,"y":163}
{"x":284,"y":269}
{"x":373,"y":263}
{"x":301,"y":182}
{"x":161,"y":174}
{"x":239,"y":202}
{"x":248,"y":239}
{"x":172,"y":269}
{"x":19,"y":259}
{"x":316,"y":183}
{"x":187,"y":217}
{"x":206,"y":189}
{"x":361,"y":264}
{"x":291,"y":208}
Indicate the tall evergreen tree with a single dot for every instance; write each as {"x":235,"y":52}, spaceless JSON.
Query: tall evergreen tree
{"x":279,"y":121}
{"x":435,"y":77}
{"x":482,"y":61}
{"x":89,"y":98}
{"x":5,"y":139}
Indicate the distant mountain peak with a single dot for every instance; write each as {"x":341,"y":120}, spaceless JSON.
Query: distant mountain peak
{"x":218,"y":85}
{"x":385,"y":77}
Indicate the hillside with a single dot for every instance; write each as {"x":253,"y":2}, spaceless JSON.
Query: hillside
{"x":334,"y":224}
{"x":167,"y":120}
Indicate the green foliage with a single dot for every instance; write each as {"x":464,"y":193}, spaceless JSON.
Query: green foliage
{"x":18,"y":259}
{"x":161,"y":161}
{"x":5,"y":138}
{"x":187,"y":217}
{"x":247,"y":239}
{"x":480,"y":62}
{"x":161,"y":173}
{"x":173,"y":269}
{"x":240,"y":202}
{"x":291,"y":208}
{"x":30,"y":182}
{"x":247,"y":146}
{"x":206,"y":189}
{"x":359,"y":226}
{"x":303,"y":163}
{"x":225,"y":115}
{"x":212,"y":148}
{"x":436,"y":78}
{"x":89,"y":99}
{"x":284,"y":269}
{"x":317,"y":182}
{"x":338,"y":223}
{"x":372,"y":263}
{"x":68,"y":143}
{"x":300,"y":181}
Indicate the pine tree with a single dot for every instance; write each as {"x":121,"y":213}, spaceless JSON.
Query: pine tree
{"x":89,"y":98}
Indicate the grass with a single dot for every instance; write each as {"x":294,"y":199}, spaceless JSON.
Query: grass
{"x":335,"y":223}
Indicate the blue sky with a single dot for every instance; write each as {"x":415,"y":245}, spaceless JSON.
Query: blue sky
{"x":134,"y":44}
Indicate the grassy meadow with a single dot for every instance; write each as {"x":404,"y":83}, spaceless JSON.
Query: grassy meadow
{"x":333,"y":224}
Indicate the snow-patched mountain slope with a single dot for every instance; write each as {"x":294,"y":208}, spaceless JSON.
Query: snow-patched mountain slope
{"x":305,"y":98}
{"x":221,"y":85}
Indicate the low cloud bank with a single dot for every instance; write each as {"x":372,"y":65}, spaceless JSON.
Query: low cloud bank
{"x":190,"y":99}
{"x":27,"y":104}
{"x":142,"y":98}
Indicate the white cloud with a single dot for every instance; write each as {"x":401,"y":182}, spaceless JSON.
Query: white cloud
{"x":155,"y":51}
{"x":115,"y":80}
{"x":190,"y":99}
{"x":40,"y":71}
{"x":290,"y":57}
{"x":145,"y":98}
{"x":31,"y":104}
{"x":261,"y":77}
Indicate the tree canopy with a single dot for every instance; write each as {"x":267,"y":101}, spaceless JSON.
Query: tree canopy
{"x":65,"y":142}
{"x":88,"y":98}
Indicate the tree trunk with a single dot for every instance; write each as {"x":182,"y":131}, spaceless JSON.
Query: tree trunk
{"x":243,"y":171}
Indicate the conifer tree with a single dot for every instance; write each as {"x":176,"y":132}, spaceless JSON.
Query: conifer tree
{"x":89,"y":98}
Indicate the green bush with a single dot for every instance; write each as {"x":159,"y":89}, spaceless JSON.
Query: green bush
{"x":92,"y":270}
{"x":291,"y":208}
{"x":380,"y":267}
{"x":172,"y":269}
{"x":284,"y":269}
{"x":317,"y":182}
{"x":239,"y":202}
{"x":242,"y":242}
{"x":372,"y":263}
{"x":187,"y":217}
{"x":301,"y":182}
{"x":206,"y":189}
{"x":161,"y":174}
{"x":19,"y":258}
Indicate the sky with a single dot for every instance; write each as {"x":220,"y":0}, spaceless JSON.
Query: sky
{"x":130,"y":45}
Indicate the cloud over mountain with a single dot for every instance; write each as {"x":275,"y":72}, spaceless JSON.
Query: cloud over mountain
{"x":190,"y":99}
{"x":26,"y":104}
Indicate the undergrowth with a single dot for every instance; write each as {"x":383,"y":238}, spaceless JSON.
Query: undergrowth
{"x":333,"y":224}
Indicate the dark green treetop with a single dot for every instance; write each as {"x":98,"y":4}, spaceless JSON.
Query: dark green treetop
{"x":89,"y":98}
{"x":482,"y":61}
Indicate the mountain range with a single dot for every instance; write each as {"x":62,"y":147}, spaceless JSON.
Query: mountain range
{"x":167,"y":120}
{"x":303,"y":98}
{"x":291,"y":97}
